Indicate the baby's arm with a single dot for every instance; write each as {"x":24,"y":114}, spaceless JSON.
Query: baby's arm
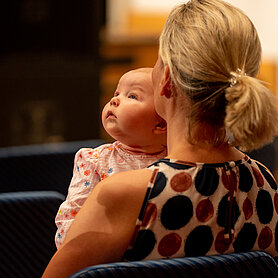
{"x":83,"y":181}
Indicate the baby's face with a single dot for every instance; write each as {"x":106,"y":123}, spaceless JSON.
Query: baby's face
{"x":130,"y":115}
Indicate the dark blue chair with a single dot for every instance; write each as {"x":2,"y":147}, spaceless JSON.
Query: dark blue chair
{"x":27,"y":231}
{"x":40,"y":167}
{"x":254,"y":264}
{"x":266,"y":155}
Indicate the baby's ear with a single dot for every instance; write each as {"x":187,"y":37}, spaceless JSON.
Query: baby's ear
{"x":160,"y":127}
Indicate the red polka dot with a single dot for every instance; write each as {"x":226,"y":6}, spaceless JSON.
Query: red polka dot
{"x":181,"y":182}
{"x":204,"y":210}
{"x":149,"y":215}
{"x":276,"y":202}
{"x":265,"y":238}
{"x":247,"y":208}
{"x":258,"y":176}
{"x":169,"y":245}
{"x":222,"y":244}
{"x":229,"y":179}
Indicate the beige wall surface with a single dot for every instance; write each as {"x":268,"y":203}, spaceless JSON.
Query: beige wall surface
{"x":262,"y":13}
{"x":133,"y":20}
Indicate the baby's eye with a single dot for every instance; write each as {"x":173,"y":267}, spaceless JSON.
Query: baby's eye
{"x":132,"y":96}
{"x":116,"y":94}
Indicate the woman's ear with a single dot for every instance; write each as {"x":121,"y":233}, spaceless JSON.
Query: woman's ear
{"x":160,"y":127}
{"x":166,"y":83}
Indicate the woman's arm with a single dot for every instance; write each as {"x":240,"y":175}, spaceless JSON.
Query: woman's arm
{"x":102,"y":229}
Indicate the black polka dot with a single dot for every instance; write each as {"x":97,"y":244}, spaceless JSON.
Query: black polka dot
{"x":268,"y":177}
{"x":223,"y":209}
{"x":160,"y":184}
{"x":246,"y":238}
{"x":264,"y":206}
{"x":276,"y":237}
{"x":156,"y":163}
{"x":207,"y":180}
{"x":198,"y":241}
{"x":245,"y":178}
{"x":176,"y":212}
{"x":143,"y":246}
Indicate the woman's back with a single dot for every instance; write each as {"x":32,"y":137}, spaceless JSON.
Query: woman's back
{"x":197,"y":209}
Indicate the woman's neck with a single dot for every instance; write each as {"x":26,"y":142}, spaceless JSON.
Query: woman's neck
{"x":179,"y":148}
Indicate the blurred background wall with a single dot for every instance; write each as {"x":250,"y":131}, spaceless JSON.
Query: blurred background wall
{"x":60,"y":60}
{"x":133,"y":27}
{"x":49,"y":70}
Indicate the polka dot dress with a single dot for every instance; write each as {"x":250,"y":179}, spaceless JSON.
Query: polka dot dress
{"x":196,"y":209}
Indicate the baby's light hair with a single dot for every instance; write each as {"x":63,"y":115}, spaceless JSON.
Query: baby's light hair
{"x":214,"y":53}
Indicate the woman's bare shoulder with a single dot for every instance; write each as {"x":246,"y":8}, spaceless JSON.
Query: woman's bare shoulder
{"x":126,"y":183}
{"x":104,"y":226}
{"x":137,"y":176}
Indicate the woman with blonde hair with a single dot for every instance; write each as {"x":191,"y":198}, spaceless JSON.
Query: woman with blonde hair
{"x":206,"y":197}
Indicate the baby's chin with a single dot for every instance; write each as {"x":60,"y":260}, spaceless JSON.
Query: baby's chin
{"x":130,"y":142}
{"x":111,"y":135}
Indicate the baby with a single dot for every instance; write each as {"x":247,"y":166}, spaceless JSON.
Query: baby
{"x":130,"y":118}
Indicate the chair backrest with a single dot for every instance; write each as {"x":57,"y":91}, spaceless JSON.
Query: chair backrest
{"x":27,"y":231}
{"x":40,"y":167}
{"x":254,"y":264}
{"x":267,"y":155}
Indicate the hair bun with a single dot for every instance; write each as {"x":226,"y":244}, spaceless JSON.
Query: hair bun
{"x":251,"y":113}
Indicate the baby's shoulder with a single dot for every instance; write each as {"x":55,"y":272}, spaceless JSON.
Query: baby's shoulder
{"x":92,"y":155}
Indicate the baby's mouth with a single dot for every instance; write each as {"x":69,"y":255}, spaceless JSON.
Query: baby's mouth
{"x":110,"y":115}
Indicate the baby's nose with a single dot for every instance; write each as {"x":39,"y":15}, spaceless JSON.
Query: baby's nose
{"x":115,"y":101}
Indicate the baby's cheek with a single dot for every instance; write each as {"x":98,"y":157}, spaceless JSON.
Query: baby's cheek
{"x":144,"y":122}
{"x":103,"y":114}
{"x":138,"y":117}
